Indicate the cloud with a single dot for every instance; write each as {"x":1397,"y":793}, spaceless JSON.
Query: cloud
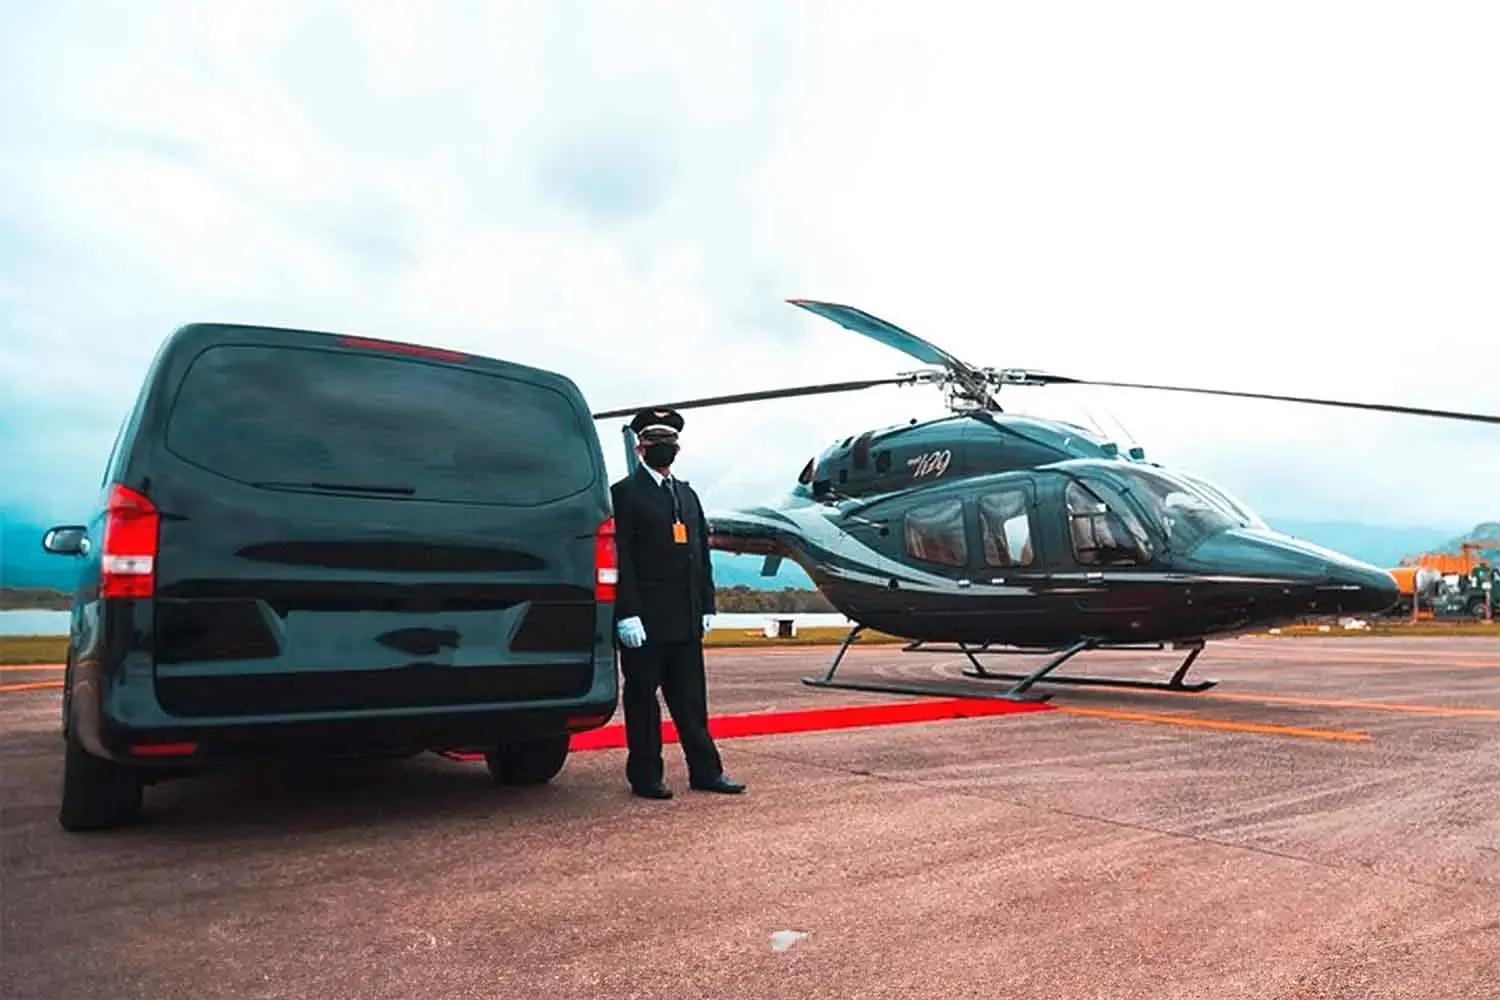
{"x":1292,"y":199}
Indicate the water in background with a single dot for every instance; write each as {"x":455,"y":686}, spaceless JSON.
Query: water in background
{"x":33,"y":623}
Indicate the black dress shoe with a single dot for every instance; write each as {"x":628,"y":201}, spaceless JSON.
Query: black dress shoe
{"x":657,"y":791}
{"x":719,"y":784}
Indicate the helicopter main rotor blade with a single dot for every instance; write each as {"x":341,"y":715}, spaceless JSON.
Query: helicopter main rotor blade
{"x":1042,"y":378}
{"x":750,"y":397}
{"x":971,"y":379}
{"x":888,"y":334}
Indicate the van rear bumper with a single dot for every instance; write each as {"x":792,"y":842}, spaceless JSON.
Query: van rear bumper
{"x":187,"y":746}
{"x":117,"y":712}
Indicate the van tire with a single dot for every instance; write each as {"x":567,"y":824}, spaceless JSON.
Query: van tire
{"x":97,"y":793}
{"x":533,"y":762}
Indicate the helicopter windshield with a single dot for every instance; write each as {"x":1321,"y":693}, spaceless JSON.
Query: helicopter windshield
{"x":1182,"y":511}
{"x":1231,"y":504}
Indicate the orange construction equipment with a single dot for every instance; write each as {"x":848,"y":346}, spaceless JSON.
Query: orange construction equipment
{"x":1445,"y":563}
{"x":1411,"y":570}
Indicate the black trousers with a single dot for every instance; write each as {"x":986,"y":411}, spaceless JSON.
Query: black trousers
{"x":677,"y":669}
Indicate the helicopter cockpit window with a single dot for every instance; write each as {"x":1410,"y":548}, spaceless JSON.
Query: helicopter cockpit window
{"x":1184,"y":513}
{"x":1231,"y":504}
{"x":1103,"y":535}
{"x":1005,"y":524}
{"x":935,"y":533}
{"x":807,"y":472}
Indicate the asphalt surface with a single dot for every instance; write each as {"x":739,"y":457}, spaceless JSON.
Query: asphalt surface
{"x":1324,"y":823}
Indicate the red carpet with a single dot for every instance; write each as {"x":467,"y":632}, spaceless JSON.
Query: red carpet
{"x":612,"y":737}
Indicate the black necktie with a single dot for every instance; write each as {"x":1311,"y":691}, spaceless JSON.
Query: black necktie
{"x":666,"y":484}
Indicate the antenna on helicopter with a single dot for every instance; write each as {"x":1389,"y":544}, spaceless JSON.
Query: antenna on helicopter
{"x":1135,"y":446}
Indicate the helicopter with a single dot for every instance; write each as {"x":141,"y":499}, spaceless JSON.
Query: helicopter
{"x":1008,"y":534}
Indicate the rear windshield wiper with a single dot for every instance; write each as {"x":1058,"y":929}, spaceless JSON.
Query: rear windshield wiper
{"x":404,"y":491}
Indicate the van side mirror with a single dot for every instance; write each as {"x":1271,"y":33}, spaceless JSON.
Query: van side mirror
{"x":70,"y":540}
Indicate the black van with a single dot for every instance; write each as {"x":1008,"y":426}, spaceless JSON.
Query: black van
{"x":314,"y":544}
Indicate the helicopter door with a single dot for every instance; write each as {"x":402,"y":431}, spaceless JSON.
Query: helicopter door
{"x":936,"y":541}
{"x":1104,"y":571}
{"x":1012,"y":568}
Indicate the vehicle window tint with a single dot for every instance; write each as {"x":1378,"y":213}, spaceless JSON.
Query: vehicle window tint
{"x":1102,"y":535}
{"x":400,"y":428}
{"x":1005,"y":525}
{"x":935,"y":533}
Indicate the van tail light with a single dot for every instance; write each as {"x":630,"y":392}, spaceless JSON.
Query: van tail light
{"x":606,"y":563}
{"x":164,"y":749}
{"x":128,"y":562}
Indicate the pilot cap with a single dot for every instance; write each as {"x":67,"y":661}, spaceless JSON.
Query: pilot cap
{"x":657,"y":423}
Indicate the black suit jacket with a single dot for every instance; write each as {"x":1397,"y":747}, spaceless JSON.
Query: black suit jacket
{"x":669,"y":586}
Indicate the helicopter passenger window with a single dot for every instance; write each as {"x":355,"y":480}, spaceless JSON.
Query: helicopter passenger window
{"x":1006,"y":528}
{"x":935,"y":534}
{"x":1101,"y":535}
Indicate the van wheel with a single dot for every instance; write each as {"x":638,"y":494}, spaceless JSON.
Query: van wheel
{"x":534,"y":762}
{"x":96,"y":793}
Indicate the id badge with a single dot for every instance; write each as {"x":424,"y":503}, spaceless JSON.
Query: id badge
{"x":679,"y":533}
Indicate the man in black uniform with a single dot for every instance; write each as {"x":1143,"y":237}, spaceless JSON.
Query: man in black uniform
{"x":662,"y":609}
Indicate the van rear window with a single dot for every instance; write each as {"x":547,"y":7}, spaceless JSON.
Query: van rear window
{"x":293,"y":417}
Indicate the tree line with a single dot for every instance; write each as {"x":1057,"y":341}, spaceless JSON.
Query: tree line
{"x":33,"y":599}
{"x":743,"y":599}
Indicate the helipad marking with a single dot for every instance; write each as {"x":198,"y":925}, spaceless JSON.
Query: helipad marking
{"x":1228,"y":725}
{"x":1379,"y":706}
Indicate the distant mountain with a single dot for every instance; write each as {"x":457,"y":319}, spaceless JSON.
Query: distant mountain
{"x":1379,"y":545}
{"x":1489,"y":531}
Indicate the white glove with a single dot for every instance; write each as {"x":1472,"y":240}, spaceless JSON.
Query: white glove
{"x":632,"y":632}
{"x":707,"y":623}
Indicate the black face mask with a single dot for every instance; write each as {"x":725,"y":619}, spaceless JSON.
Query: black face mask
{"x":659,"y":456}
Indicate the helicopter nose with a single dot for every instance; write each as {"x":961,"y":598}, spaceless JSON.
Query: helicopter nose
{"x":1313,"y":580}
{"x":1355,"y":587}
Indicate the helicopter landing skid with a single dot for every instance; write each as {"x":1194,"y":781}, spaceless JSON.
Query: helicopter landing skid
{"x":1018,"y":692}
{"x":1177,"y":683}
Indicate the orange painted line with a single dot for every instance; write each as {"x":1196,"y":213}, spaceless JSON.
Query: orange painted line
{"x":1227,"y":725}
{"x":17,"y":668}
{"x":1458,"y":711}
{"x":1379,"y":706}
{"x":1432,"y":662}
{"x":31,"y":686}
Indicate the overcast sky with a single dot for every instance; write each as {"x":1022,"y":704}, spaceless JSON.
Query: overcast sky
{"x":1284,"y":197}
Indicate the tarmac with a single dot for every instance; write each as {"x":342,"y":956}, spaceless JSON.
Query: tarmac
{"x":1324,"y":823}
